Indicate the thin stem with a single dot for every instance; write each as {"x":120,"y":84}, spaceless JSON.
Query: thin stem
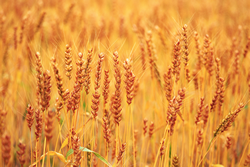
{"x":44,"y":151}
{"x":158,"y":153}
{"x":44,"y":145}
{"x":147,"y":151}
{"x":212,"y":142}
{"x":193,"y":150}
{"x":133,"y":130}
{"x":117,"y":142}
{"x":36,"y":152}
{"x":48,"y":158}
{"x":30,"y":149}
{"x":143,"y":143}
{"x":244,"y":152}
{"x":56,"y":144}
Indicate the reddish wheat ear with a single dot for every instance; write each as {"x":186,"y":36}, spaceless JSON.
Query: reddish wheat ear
{"x":21,"y":153}
{"x":6,"y":148}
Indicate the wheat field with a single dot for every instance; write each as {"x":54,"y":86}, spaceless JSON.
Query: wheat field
{"x":125,"y":83}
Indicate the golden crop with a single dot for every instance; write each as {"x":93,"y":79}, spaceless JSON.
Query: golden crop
{"x":125,"y":83}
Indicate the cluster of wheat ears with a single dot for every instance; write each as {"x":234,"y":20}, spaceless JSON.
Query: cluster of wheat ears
{"x":124,"y":83}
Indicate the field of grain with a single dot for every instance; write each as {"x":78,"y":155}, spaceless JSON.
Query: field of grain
{"x":124,"y":83}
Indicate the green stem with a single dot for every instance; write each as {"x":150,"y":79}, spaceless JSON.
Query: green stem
{"x":211,"y":142}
